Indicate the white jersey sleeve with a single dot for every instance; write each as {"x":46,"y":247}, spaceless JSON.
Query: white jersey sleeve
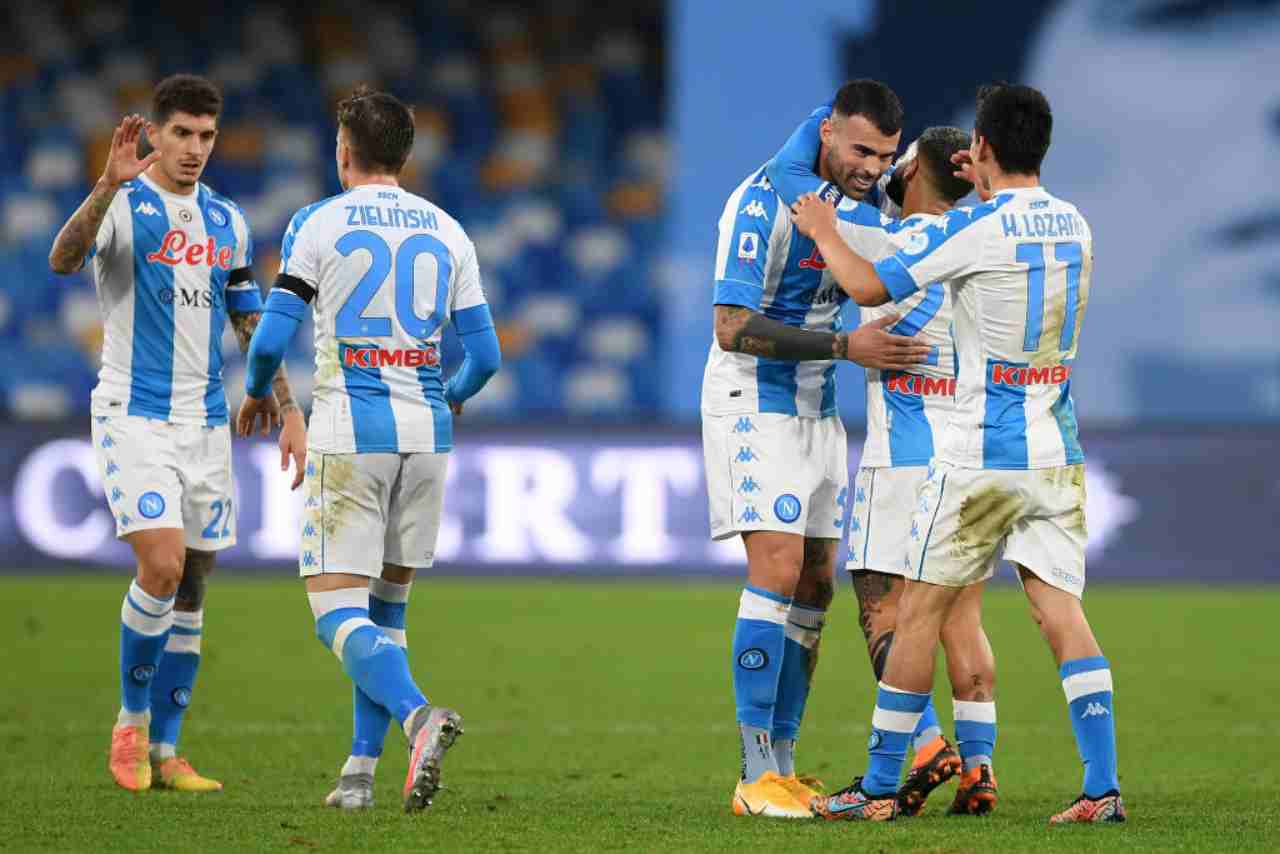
{"x":946,"y":249}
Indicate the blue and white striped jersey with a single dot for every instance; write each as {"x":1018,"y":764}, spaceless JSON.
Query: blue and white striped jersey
{"x":763,"y":263}
{"x":905,"y":409}
{"x":1019,"y":269}
{"x":167,"y":269}
{"x":389,"y":269}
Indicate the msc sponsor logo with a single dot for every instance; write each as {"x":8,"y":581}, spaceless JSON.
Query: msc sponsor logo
{"x":176,"y":248}
{"x":918,"y":385}
{"x":376,"y":357}
{"x":191,"y":297}
{"x":1023,"y":376}
{"x":753,"y":659}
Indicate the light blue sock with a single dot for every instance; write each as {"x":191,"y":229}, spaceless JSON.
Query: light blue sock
{"x":387,"y":605}
{"x":176,"y":678}
{"x":1087,"y":684}
{"x":803,"y":631}
{"x":975,"y":732}
{"x":895,"y":719}
{"x":758,"y":649}
{"x":374,"y":662}
{"x":928,"y":729}
{"x":144,"y":628}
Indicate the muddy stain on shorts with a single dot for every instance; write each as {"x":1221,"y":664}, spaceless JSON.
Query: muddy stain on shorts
{"x":337,"y":474}
{"x":985,"y":518}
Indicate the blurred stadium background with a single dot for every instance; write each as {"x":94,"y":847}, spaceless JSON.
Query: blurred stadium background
{"x":588,"y":149}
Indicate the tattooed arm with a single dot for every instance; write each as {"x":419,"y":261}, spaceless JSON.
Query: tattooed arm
{"x":74,"y":241}
{"x":243,"y":324}
{"x":741,"y":330}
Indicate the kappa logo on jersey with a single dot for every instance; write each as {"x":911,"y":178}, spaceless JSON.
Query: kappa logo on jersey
{"x":174,"y":250}
{"x":748,"y":246}
{"x":376,"y":357}
{"x":1094,"y":710}
{"x":763,"y":184}
{"x":147,"y":209}
{"x":754,"y":208}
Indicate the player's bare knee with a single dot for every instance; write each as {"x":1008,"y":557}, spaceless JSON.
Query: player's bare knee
{"x":397,"y":574}
{"x":816,"y":585}
{"x":160,"y":570}
{"x":774,"y":561}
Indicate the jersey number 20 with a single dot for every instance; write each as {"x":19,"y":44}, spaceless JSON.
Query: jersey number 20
{"x":352,"y":322}
{"x":1032,"y":254}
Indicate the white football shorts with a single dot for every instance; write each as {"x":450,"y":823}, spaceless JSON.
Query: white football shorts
{"x":364,"y":510}
{"x":966,"y":516}
{"x":157,"y":474}
{"x":884,"y":502}
{"x":773,"y":472}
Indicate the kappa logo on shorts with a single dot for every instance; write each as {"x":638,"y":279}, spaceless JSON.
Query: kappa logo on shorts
{"x":860,"y":496}
{"x":915,"y":530}
{"x":125,"y":520}
{"x":150,"y":505}
{"x":744,"y":425}
{"x":112,"y":468}
{"x":309,"y":530}
{"x":787,"y":508}
{"x":748,"y":485}
{"x":854,"y":524}
{"x":308,"y":559}
{"x":841,"y":500}
{"x":749,"y":515}
{"x":746,"y":455}
{"x":753,"y":659}
{"x":116,"y":494}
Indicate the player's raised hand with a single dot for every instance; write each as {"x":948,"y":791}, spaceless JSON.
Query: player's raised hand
{"x":293,"y":443}
{"x":812,"y":215}
{"x":254,"y":408}
{"x":871,"y":346}
{"x":965,"y":169}
{"x":123,"y":163}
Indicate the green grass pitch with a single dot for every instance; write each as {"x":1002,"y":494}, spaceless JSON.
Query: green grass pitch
{"x":599,"y":716}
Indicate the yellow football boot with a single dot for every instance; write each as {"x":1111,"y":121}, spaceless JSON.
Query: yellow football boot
{"x":176,"y":773}
{"x":768,"y":796}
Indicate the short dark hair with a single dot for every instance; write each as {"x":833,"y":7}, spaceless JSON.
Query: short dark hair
{"x":872,"y":99}
{"x":1017,"y":122}
{"x":185,"y":93}
{"x":933,"y":151}
{"x":379,"y":130}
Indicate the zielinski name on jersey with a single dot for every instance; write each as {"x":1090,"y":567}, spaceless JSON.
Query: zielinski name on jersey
{"x":387,"y":217}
